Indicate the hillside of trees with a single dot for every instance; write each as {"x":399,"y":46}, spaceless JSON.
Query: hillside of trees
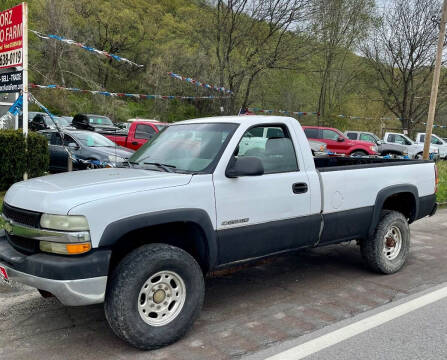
{"x":356,"y":58}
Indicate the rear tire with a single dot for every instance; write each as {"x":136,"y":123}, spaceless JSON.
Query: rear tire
{"x":388,"y":249}
{"x":154,"y":295}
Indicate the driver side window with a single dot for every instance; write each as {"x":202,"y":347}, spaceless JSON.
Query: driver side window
{"x":330,"y":135}
{"x":68,"y":140}
{"x":401,"y":140}
{"x":275,"y":150}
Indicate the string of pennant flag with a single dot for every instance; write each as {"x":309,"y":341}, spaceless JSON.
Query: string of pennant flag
{"x":124,"y":95}
{"x":437,"y":126}
{"x":267,"y":111}
{"x":199,"y":83}
{"x":85,"y":47}
{"x":366,"y":118}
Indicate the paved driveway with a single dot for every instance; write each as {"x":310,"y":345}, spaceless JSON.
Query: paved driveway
{"x":245,"y":311}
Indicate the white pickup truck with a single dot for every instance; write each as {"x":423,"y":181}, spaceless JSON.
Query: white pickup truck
{"x":436,"y":142}
{"x":141,"y":238}
{"x":414,"y":149}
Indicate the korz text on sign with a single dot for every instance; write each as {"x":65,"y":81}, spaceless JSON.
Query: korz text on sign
{"x":11,"y":37}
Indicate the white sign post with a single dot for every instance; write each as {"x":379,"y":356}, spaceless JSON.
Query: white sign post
{"x":25,"y":70}
{"x":25,"y":73}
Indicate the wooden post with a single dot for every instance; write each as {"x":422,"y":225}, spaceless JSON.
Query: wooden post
{"x":435,"y":83}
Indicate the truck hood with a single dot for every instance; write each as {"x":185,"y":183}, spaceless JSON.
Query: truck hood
{"x":57,"y":194}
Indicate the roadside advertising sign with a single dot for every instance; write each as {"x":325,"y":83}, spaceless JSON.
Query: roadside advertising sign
{"x":11,"y":82}
{"x":11,"y":37}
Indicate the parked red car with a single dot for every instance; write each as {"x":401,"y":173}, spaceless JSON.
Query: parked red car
{"x":338,"y":143}
{"x":139,"y":133}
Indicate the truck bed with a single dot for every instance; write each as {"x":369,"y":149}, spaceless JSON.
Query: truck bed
{"x":350,"y":188}
{"x":337,"y":163}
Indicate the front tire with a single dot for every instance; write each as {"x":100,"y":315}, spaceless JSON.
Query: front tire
{"x":154,"y":295}
{"x":387,"y":251}
{"x":358,"y":153}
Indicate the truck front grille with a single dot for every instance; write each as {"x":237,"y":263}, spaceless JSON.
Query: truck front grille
{"x":21,"y":216}
{"x":23,"y":245}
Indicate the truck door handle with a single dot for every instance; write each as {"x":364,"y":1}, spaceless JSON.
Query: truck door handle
{"x":299,"y":188}
{"x":134,"y":143}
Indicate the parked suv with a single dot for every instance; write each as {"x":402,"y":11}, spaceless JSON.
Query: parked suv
{"x":339,"y":143}
{"x":98,"y":123}
{"x":41,"y":121}
{"x":382,"y":148}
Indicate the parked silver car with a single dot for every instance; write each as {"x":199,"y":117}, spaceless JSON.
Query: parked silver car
{"x":318,"y":148}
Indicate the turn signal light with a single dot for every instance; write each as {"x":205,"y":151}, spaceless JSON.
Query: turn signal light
{"x":65,"y":249}
{"x":73,"y":249}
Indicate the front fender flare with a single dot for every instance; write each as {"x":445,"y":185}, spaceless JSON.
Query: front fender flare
{"x":117,"y":229}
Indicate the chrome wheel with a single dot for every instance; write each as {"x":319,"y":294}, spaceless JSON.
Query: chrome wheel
{"x":392,"y":243}
{"x":161,"y":298}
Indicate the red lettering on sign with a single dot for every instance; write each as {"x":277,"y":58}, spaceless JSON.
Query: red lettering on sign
{"x":11,"y":35}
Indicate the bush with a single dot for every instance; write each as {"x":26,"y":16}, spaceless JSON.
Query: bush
{"x":441,"y":196}
{"x":14,"y":160}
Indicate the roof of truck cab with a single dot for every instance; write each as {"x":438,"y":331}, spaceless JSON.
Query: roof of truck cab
{"x":235,"y":119}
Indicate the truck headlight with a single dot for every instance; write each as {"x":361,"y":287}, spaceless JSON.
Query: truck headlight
{"x":64,"y":222}
{"x":373,"y":148}
{"x":116,"y":159}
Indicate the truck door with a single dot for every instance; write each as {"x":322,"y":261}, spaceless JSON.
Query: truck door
{"x":143,"y":133}
{"x":331,"y":138}
{"x":260,"y":215}
{"x":58,"y":155}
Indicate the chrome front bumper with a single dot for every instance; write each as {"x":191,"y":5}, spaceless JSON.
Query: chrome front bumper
{"x":74,"y":280}
{"x":69,"y":292}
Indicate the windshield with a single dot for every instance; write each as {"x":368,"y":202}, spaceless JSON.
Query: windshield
{"x":99,"y":120}
{"x":409,"y":140}
{"x":160,"y":127}
{"x":187,"y":147}
{"x":92,"y":139}
{"x":437,"y":140}
{"x":60,"y":121}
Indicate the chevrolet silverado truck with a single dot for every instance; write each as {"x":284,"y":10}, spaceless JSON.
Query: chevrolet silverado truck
{"x":141,"y":238}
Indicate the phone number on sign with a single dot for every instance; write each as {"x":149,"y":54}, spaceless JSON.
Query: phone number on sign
{"x":11,"y":58}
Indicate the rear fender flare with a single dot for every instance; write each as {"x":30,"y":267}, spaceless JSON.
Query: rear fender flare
{"x":384,"y":194}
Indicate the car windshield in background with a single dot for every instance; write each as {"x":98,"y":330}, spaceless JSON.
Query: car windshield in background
{"x":100,"y":120}
{"x":160,"y":127}
{"x":60,"y":121}
{"x":186,"y":147}
{"x":92,"y":139}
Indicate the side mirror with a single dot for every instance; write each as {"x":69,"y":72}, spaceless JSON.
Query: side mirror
{"x":73,"y":146}
{"x":340,"y":139}
{"x":244,"y":166}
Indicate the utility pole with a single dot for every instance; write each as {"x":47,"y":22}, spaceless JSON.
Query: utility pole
{"x":435,"y":83}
